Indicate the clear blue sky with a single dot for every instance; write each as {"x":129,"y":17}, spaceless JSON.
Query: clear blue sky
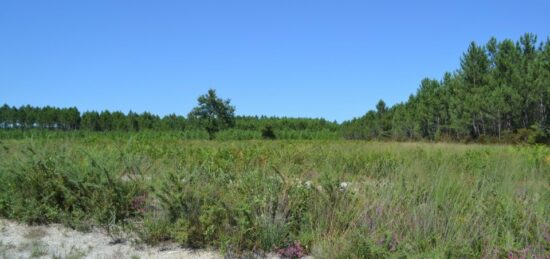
{"x":331,"y":59}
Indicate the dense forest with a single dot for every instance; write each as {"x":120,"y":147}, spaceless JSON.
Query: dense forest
{"x":500,"y":93}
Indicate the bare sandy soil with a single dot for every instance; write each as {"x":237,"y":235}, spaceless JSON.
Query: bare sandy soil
{"x":56,"y":241}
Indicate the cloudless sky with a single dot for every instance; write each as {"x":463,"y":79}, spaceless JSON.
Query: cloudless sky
{"x":330,"y":59}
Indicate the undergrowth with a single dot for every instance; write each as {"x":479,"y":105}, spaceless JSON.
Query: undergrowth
{"x":330,"y":199}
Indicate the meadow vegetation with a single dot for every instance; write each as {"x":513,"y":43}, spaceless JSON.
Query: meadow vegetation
{"x":326,"y":198}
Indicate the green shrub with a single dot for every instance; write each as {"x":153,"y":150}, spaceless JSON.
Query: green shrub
{"x":44,"y":187}
{"x":268,"y":132}
{"x":538,"y":135}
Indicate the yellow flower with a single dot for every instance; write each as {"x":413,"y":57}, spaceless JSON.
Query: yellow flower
{"x":547,"y":159}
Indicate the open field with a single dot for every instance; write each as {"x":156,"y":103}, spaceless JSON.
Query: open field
{"x":328,"y":199}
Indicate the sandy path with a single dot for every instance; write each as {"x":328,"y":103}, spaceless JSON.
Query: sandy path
{"x":56,"y":241}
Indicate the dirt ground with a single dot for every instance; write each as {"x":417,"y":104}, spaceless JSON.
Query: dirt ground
{"x":55,"y":241}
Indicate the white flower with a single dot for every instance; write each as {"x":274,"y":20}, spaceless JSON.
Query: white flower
{"x":343,"y":186}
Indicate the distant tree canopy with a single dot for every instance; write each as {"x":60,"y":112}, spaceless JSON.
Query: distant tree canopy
{"x":257,"y":123}
{"x":213,"y":114}
{"x":26,"y":117}
{"x":50,"y":118}
{"x":501,"y":91}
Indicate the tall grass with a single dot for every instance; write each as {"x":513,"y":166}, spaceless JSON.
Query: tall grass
{"x":333,"y":199}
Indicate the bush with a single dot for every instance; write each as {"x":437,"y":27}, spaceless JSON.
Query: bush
{"x":268,"y":133}
{"x":538,"y":135}
{"x":236,"y":214}
{"x":45,"y":187}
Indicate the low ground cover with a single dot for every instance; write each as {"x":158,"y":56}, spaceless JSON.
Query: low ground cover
{"x":330,"y":199}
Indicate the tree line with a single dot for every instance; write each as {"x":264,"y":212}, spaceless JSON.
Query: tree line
{"x":212,"y":115}
{"x":53,"y":118}
{"x":500,"y":92}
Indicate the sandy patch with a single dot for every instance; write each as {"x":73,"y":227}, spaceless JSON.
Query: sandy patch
{"x":55,"y":241}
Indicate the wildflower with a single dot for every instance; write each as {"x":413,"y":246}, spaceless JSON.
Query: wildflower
{"x":294,"y":250}
{"x":344,"y":186}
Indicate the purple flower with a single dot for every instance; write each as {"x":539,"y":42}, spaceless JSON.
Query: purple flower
{"x":294,"y":250}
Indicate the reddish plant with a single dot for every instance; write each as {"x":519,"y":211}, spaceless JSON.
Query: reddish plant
{"x":138,"y":203}
{"x":294,"y":250}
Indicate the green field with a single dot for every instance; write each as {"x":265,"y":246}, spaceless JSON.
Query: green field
{"x":333,"y":198}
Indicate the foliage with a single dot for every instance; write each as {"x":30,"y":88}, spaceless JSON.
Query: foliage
{"x":330,"y":199}
{"x":268,"y":133}
{"x":213,"y":113}
{"x":48,"y":186}
{"x":146,"y":124}
{"x":501,"y":89}
{"x":500,"y":93}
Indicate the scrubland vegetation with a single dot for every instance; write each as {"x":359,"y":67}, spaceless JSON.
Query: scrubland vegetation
{"x":330,"y":199}
{"x":295,"y":186}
